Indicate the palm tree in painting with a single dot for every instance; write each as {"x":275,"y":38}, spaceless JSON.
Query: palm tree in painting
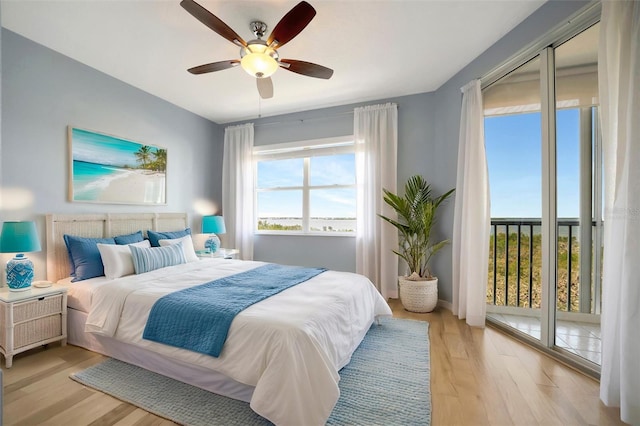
{"x":144,"y":155}
{"x":160,"y":162}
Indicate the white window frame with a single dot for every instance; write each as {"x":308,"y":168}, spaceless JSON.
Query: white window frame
{"x":306,"y":150}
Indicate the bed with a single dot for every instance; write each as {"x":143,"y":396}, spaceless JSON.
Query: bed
{"x":282,"y":355}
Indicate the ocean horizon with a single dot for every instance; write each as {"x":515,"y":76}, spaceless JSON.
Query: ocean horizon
{"x":331,"y":224}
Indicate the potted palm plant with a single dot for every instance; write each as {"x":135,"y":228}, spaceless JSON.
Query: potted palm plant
{"x":416,"y":216}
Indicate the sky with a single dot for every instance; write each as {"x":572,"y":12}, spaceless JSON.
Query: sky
{"x":324,"y":170}
{"x":104,"y":149}
{"x":514,"y":158}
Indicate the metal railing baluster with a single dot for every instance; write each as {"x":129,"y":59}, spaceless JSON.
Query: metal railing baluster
{"x":495,"y":261}
{"x":521,"y":224}
{"x":569,"y":268}
{"x":530,"y":265}
{"x":506,"y":266}
{"x":518,"y":272}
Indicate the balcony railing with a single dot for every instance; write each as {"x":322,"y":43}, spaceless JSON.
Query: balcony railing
{"x":515,"y":266}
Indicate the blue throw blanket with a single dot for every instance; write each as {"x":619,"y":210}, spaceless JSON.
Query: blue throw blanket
{"x":198,"y":318}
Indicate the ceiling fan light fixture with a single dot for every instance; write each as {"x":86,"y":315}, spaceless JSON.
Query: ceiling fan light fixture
{"x":258,"y":60}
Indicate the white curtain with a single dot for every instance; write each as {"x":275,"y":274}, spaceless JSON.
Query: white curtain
{"x":619,"y":85}
{"x":237,"y":188}
{"x":472,"y":213}
{"x":376,"y":137}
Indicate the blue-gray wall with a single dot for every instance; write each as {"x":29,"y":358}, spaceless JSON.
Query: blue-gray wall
{"x":43,"y":92}
{"x":428,"y":127}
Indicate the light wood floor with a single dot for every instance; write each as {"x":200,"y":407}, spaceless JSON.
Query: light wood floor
{"x":478,"y":377}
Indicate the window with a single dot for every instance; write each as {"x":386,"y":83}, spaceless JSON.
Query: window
{"x":306,"y":187}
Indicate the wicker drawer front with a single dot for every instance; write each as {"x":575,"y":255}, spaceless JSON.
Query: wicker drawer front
{"x":37,"y":308}
{"x":37,"y":330}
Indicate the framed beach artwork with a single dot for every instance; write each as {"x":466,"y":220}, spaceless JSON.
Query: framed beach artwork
{"x":109,"y":169}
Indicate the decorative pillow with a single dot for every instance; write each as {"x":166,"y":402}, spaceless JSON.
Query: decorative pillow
{"x":155,"y":236}
{"x":84,"y":256}
{"x":117,"y":259}
{"x":187,"y":247}
{"x":149,"y":259}
{"x":136,"y":237}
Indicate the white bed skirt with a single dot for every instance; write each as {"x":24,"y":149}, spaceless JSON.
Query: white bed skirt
{"x":203,"y":378}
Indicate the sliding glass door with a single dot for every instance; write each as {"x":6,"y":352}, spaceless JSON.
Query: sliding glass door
{"x":579,"y":205}
{"x":545,"y":174}
{"x":513,"y":124}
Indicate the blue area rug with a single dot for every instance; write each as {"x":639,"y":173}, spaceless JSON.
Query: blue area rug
{"x":386,"y":383}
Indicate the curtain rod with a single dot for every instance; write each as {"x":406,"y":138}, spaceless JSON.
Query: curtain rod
{"x":302,"y":120}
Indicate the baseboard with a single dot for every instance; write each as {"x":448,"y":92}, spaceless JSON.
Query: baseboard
{"x":445,"y":304}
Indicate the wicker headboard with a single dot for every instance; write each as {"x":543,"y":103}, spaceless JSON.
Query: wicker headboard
{"x":99,"y":226}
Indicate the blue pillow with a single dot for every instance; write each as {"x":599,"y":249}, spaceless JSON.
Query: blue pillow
{"x":155,"y":236}
{"x":136,"y":237}
{"x":84,"y":256}
{"x":151,"y":258}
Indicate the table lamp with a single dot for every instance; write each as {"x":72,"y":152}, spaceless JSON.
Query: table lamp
{"x":213,"y":225}
{"x":19,"y":237}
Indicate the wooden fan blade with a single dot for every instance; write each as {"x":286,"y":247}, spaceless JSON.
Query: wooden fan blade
{"x":212,"y":21}
{"x":291,"y":24}
{"x":214,"y":66}
{"x":307,"y":68}
{"x":265,"y":87}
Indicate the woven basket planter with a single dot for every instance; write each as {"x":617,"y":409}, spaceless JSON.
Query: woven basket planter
{"x":418,"y":296}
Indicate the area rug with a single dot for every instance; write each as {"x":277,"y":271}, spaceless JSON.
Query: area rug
{"x":386,"y":383}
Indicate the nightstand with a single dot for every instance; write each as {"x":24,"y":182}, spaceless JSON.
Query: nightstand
{"x":31,"y":318}
{"x":220,"y":253}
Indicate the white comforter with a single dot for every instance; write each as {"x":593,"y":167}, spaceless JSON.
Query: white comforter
{"x":289,"y":346}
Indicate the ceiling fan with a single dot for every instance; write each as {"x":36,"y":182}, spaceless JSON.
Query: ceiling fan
{"x":260,"y":58}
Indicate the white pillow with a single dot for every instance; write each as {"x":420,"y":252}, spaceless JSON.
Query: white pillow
{"x":187,"y":247}
{"x":117,"y":259}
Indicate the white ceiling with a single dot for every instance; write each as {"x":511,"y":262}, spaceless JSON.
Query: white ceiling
{"x":378,"y":49}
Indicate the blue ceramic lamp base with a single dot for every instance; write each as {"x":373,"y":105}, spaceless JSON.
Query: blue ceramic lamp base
{"x":19,"y":273}
{"x":212,"y":244}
